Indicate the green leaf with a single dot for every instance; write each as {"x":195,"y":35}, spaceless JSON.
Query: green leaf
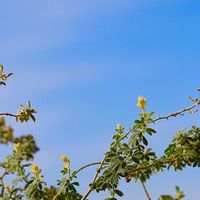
{"x":29,"y":104}
{"x":145,"y":141}
{"x":119,"y":193}
{"x":32,"y":117}
{"x":137,"y":122}
{"x":10,"y":74}
{"x":76,"y":183}
{"x":151,"y":114}
{"x":166,"y":197}
{"x":150,"y":131}
{"x":136,"y":160}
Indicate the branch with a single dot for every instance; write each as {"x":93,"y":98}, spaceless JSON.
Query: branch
{"x":1,"y":179}
{"x":95,"y":177}
{"x":145,"y":190}
{"x":189,"y":109}
{"x":9,"y":114}
{"x":88,"y":165}
{"x":150,"y":165}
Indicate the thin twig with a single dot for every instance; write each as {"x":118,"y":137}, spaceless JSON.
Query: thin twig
{"x":9,"y":114}
{"x":150,"y":165}
{"x":88,"y":165}
{"x":179,"y":112}
{"x":1,"y":178}
{"x":145,"y":190}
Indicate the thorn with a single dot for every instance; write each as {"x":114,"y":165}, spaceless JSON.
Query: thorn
{"x":193,"y":111}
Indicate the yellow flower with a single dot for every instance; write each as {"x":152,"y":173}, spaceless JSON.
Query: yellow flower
{"x":1,"y":69}
{"x":64,"y":159}
{"x":9,"y":134}
{"x":6,"y":186}
{"x":67,"y":162}
{"x":17,"y":147}
{"x":35,"y":169}
{"x":141,"y":102}
{"x":119,"y":127}
{"x":7,"y":160}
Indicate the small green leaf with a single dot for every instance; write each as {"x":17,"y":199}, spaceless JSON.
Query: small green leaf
{"x":150,"y":131}
{"x":76,"y":183}
{"x":136,"y":160}
{"x":119,"y":193}
{"x":29,"y":104}
{"x":145,"y":141}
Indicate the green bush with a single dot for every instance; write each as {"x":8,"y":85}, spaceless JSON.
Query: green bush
{"x":129,"y":157}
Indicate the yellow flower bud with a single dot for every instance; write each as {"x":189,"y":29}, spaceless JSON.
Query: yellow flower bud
{"x":17,"y":147}
{"x":9,"y":134}
{"x":119,"y":127}
{"x":35,"y":169}
{"x":141,"y":102}
{"x":64,"y":159}
{"x":7,"y":160}
{"x":1,"y":69}
{"x":67,"y":162}
{"x":6,"y":186}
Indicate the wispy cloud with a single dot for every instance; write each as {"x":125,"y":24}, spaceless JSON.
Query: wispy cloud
{"x":36,"y":81}
{"x":33,"y":26}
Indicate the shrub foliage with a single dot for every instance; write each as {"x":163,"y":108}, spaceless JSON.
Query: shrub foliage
{"x":129,"y":157}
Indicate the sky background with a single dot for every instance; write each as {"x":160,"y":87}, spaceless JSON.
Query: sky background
{"x":84,"y":63}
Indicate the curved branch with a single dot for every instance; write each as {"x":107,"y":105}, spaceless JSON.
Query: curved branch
{"x":86,"y":166}
{"x":188,"y":109}
{"x":145,"y":190}
{"x":8,"y":114}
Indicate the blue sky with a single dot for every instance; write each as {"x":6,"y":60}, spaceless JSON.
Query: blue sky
{"x":83,"y":64}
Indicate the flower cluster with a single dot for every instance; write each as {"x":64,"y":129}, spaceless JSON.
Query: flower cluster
{"x":66,"y":160}
{"x":35,"y":170}
{"x":141,"y":103}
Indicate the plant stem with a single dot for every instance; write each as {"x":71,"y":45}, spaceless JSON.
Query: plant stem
{"x":178,"y":113}
{"x":88,"y":165}
{"x":1,"y":178}
{"x":145,"y":190}
{"x":94,"y":179}
{"x":8,"y":114}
